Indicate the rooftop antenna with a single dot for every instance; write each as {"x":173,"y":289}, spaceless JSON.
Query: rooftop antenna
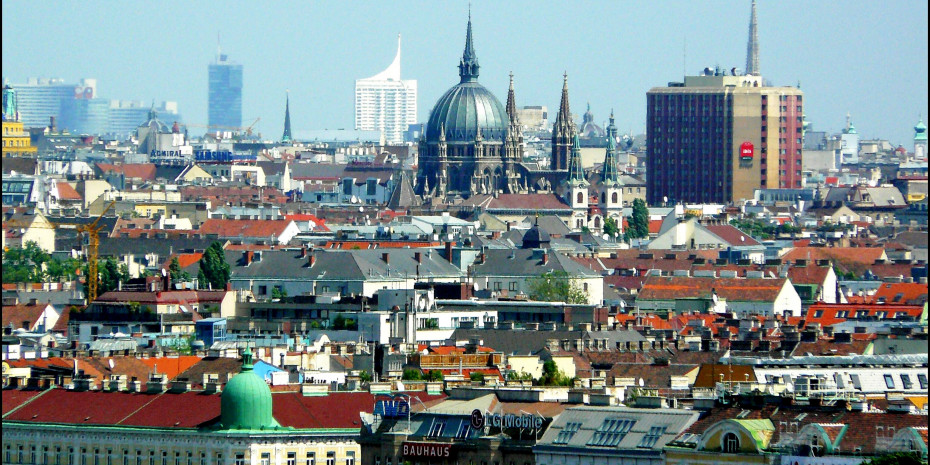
{"x":684,"y":57}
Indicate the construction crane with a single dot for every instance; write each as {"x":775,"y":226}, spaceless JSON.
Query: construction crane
{"x":247,"y":130}
{"x":93,"y":243}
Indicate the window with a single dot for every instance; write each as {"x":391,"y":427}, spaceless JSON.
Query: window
{"x":292,"y":458}
{"x":922,"y":379}
{"x":350,"y":457}
{"x":906,"y":381}
{"x":177,"y":458}
{"x":513,"y":285}
{"x":240,"y":459}
{"x":464,"y":429}
{"x":652,"y":437}
{"x":889,"y":381}
{"x":730,"y":443}
{"x":567,"y":432}
{"x":330,"y":458}
{"x":265,"y":458}
{"x":311,"y":458}
{"x":817,"y":449}
{"x":436,"y":428}
{"x":611,"y":432}
{"x":219,"y":459}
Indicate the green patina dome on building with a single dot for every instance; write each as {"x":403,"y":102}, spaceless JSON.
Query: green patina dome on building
{"x":920,"y":130}
{"x":246,"y":400}
{"x":467,"y":106}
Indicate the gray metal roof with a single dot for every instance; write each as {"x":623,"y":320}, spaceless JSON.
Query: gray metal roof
{"x":618,"y":429}
{"x":524,"y":342}
{"x":527,"y":262}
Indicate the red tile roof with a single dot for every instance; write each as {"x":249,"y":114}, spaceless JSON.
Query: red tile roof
{"x":17,"y":315}
{"x":246,"y":228}
{"x":732,"y":235}
{"x":690,"y":287}
{"x":855,"y":259}
{"x":828,"y":313}
{"x":173,"y":366}
{"x":67,"y":192}
{"x":143,"y":171}
{"x":528,"y":202}
{"x":15,"y":397}
{"x":902,"y":293}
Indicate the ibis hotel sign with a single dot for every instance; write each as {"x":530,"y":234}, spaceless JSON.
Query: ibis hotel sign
{"x":746,"y":151}
{"x":427,"y":449}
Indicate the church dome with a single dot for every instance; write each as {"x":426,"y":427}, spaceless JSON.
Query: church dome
{"x":246,"y":400}
{"x":467,"y":107}
{"x":536,"y":237}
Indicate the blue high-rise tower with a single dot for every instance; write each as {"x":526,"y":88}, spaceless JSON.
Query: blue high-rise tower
{"x":225,"y":94}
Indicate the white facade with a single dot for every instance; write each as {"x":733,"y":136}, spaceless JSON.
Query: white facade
{"x":386,"y":103}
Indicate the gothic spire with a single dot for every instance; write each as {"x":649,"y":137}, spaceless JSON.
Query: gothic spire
{"x":575,"y":170}
{"x":612,"y":128}
{"x":287,"y":120}
{"x":610,"y":176}
{"x":565,"y":113}
{"x":752,"y":47}
{"x":468,"y":67}
{"x":512,"y":103}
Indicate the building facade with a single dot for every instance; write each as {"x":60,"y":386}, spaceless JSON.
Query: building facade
{"x":386,"y":103}
{"x":225,"y":93}
{"x":718,"y":137}
{"x":41,"y":99}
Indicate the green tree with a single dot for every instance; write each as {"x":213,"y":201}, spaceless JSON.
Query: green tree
{"x":552,"y":376}
{"x":215,"y":269}
{"x":412,"y":374}
{"x":897,"y":458}
{"x":434,"y":375}
{"x":639,"y":220}
{"x":278,"y":292}
{"x":476,"y":376}
{"x":556,"y":286}
{"x":365,"y":376}
{"x":519,"y":376}
{"x":26,"y":264}
{"x":611,"y":228}
{"x":177,"y":275}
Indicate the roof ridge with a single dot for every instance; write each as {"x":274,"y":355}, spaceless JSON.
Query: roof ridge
{"x":153,"y":399}
{"x":27,"y":402}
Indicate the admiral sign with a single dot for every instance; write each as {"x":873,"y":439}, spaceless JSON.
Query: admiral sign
{"x":426,"y":449}
{"x":746,"y":150}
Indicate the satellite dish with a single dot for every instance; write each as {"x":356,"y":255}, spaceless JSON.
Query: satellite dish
{"x":111,"y":364}
{"x":422,"y":303}
{"x":665,"y":198}
{"x":606,"y":236}
{"x":400,"y":386}
{"x":164,"y":272}
{"x":641,"y":382}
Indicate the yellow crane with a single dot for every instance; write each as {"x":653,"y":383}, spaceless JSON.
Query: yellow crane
{"x":93,"y":243}
{"x":247,"y":130}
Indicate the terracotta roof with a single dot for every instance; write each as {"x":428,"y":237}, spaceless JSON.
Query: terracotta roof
{"x":902,"y":293}
{"x":710,"y":374}
{"x":830,"y":347}
{"x":164,"y":297}
{"x":855,"y":259}
{"x":184,"y":259}
{"x":245,"y":228}
{"x":828,"y":314}
{"x":173,"y":366}
{"x":527,"y":202}
{"x":732,"y":235}
{"x":16,"y":315}
{"x":653,"y":376}
{"x":690,"y":287}
{"x":221,"y":366}
{"x":67,"y":192}
{"x":143,"y":171}
{"x":15,"y":397}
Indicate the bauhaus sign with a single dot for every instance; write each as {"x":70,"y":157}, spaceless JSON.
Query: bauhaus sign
{"x":746,"y":150}
{"x":426,"y":449}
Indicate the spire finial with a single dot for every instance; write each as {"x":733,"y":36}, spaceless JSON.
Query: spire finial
{"x":752,"y":46}
{"x":468,"y":67}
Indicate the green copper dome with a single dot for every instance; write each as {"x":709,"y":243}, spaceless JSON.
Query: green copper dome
{"x":920,"y":130}
{"x":246,"y":400}
{"x":468,"y":106}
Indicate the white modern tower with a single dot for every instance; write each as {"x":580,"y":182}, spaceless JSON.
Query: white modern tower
{"x":386,"y":103}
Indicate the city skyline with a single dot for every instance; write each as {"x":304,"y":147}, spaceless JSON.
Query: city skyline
{"x":613,"y":54}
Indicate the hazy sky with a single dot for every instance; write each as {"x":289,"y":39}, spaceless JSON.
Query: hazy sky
{"x":865,"y":57}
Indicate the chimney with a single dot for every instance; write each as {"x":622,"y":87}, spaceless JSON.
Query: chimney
{"x":386,"y":257}
{"x":418,"y":257}
{"x":311,"y":259}
{"x":449,"y":250}
{"x":303,"y":252}
{"x":180,"y":385}
{"x":545,"y":257}
{"x":248,"y":255}
{"x":51,"y":124}
{"x":135,"y":385}
{"x":117,"y":383}
{"x":158,"y":382}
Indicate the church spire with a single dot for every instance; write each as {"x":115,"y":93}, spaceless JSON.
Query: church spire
{"x":610,"y":176}
{"x":575,"y":170}
{"x":468,"y":67}
{"x":512,"y":103}
{"x":752,"y":47}
{"x":565,"y":113}
{"x":287,"y":119}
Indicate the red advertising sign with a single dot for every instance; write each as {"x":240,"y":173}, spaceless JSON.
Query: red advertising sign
{"x":746,"y":150}
{"x":426,"y":449}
